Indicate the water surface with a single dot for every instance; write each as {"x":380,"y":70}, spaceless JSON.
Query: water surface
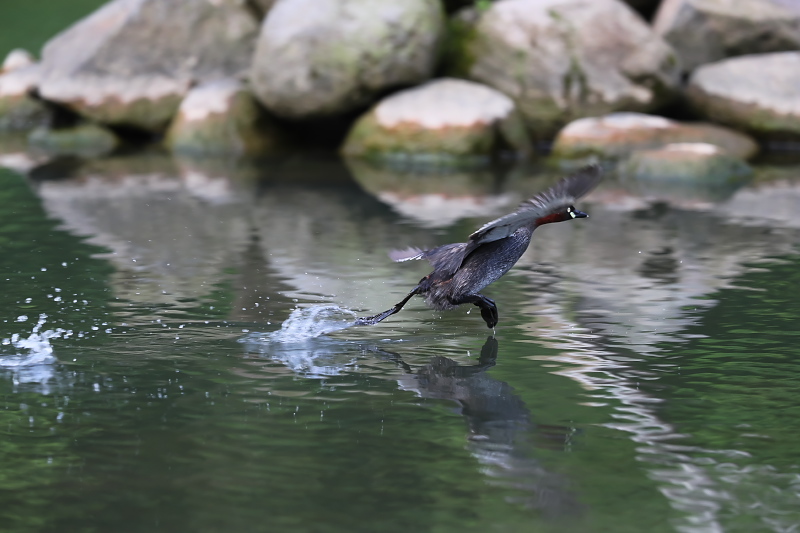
{"x":643,"y":375}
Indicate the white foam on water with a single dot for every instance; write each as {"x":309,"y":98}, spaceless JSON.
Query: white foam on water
{"x":310,"y":322}
{"x":32,"y":358}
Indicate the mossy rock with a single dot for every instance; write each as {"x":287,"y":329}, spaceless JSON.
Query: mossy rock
{"x":86,"y":139}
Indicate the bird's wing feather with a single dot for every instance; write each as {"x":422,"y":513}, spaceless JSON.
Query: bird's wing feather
{"x":409,"y":254}
{"x":564,"y":193}
{"x":446,"y":258}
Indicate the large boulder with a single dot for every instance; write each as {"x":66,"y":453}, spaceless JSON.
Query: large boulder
{"x":565,"y":59}
{"x":619,"y":134}
{"x":131,"y":62}
{"x":757,"y":93}
{"x":442,"y":121}
{"x":325,"y":57}
{"x":704,"y":31}
{"x":221,"y":118}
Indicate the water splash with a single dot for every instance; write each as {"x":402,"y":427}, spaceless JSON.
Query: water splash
{"x":310,"y":322}
{"x":297,"y":345}
{"x":32,"y":360}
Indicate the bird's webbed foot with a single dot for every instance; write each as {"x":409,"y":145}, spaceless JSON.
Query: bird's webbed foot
{"x":487,"y":306}
{"x":488,"y":312}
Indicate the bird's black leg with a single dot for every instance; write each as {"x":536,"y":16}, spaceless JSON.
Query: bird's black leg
{"x":374,"y":319}
{"x":487,"y":306}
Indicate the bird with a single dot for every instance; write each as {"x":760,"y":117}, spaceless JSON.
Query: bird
{"x":462,"y":270}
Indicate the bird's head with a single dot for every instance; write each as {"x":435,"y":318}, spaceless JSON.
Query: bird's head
{"x":561,"y":214}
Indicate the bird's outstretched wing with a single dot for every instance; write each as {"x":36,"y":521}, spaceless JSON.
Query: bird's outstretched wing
{"x":563,"y":193}
{"x":448,"y":258}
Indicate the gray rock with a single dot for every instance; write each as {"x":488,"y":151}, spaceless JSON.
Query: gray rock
{"x":565,"y":59}
{"x":757,"y":93}
{"x":326,"y":57}
{"x":619,"y":134}
{"x":704,"y":31}
{"x":132,"y":61}
{"x":18,"y":110}
{"x":443,"y":121}
{"x":221,"y":118}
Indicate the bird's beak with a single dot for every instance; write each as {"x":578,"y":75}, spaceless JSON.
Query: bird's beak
{"x":579,"y":214}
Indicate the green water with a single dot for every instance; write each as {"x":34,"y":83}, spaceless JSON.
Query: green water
{"x":643,"y":375}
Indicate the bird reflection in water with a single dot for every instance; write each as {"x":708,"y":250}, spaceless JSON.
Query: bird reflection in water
{"x":501,"y":432}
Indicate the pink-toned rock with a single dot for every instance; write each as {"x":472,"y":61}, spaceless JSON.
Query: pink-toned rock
{"x":445,"y":120}
{"x":222,"y":117}
{"x":619,"y":134}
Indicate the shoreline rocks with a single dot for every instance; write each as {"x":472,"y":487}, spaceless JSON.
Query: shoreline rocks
{"x":238,"y":77}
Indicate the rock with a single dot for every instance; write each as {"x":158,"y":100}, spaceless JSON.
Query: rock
{"x":326,"y":57}
{"x":15,"y":59}
{"x":443,"y":121}
{"x":86,"y":139}
{"x":704,"y":31}
{"x":619,"y":134}
{"x":757,"y":93}
{"x":221,"y":118}
{"x":18,"y":109}
{"x":565,"y":59}
{"x":131,"y":62}
{"x":685,"y":162}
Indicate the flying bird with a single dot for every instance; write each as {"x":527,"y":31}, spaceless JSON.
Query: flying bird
{"x":461,"y":270}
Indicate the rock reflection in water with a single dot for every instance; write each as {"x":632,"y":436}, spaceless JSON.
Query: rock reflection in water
{"x":435,"y":198}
